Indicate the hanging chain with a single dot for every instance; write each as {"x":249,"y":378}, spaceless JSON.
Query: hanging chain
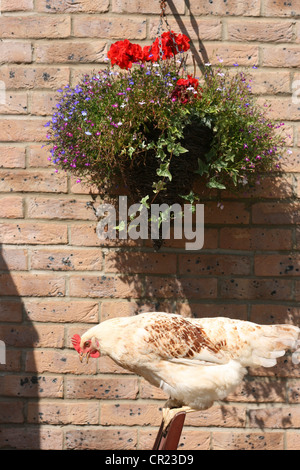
{"x":163,"y":18}
{"x":163,"y":6}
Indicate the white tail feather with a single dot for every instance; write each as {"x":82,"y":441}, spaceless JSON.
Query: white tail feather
{"x":296,"y":354}
{"x":273,"y":342}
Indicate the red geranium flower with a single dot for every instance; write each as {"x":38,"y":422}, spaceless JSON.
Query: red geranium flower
{"x":124,"y":53}
{"x":181,"y":92}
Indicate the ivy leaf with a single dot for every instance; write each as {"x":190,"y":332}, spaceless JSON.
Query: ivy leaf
{"x":215,"y":184}
{"x":159,"y":186}
{"x":144,"y":201}
{"x":191,"y":197}
{"x":121,"y":226}
{"x":163,"y":171}
{"x":202,"y":167}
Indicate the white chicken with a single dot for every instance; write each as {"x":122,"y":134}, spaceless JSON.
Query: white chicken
{"x":194,"y":360}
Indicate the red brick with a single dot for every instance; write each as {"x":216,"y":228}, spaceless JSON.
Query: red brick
{"x":11,"y":311}
{"x":16,"y":5}
{"x":247,"y":440}
{"x":259,"y":390}
{"x":60,"y":311}
{"x":86,"y":6}
{"x":149,"y":391}
{"x":255,"y":239}
{"x":200,"y":310}
{"x":269,"y":314}
{"x":280,"y":56}
{"x":243,"y":54}
{"x":14,"y":361}
{"x":280,"y":8}
{"x":108,"y":366}
{"x":255,"y":289}
{"x":11,"y":414}
{"x":293,"y":391}
{"x":209,"y":29}
{"x":42,"y":103}
{"x":283,"y":109}
{"x":16,"y":52}
{"x":22,"y":130}
{"x":29,"y":284}
{"x":144,"y":7}
{"x":11,"y":207}
{"x":109,"y":27}
{"x":270,"y":82}
{"x":216,"y":265}
{"x":32,"y":181}
{"x":13,"y":259}
{"x":66,"y":259}
{"x":33,"y":233}
{"x":277,"y":265}
{"x":225,"y":415}
{"x":275,"y":213}
{"x":104,"y":286}
{"x":292,"y":440}
{"x":63,"y":413}
{"x":85,"y":235}
{"x":38,"y":157}
{"x":14,"y":103}
{"x":112,"y":388}
{"x":260,"y":30}
{"x":245,"y":8}
{"x":41,"y":335}
{"x":120,"y":308}
{"x":276,"y":418}
{"x":101,"y":439}
{"x":232,"y":213}
{"x":152,"y":263}
{"x":49,"y":208}
{"x":35,"y":27}
{"x":70,"y":52}
{"x":272,"y":187}
{"x":297,"y":290}
{"x":190,"y":288}
{"x":29,"y":76}
{"x":290,"y":162}
{"x":12,"y":157}
{"x":42,"y":386}
{"x":61,"y":362}
{"x":33,"y":438}
{"x":130,"y":414}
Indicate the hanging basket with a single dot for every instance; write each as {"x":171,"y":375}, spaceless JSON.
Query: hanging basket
{"x":149,"y":126}
{"x":139,"y":175}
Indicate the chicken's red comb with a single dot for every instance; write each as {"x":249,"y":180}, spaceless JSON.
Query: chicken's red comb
{"x":76,"y":343}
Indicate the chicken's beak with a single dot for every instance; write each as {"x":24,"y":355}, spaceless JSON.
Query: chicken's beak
{"x":87,"y":357}
{"x":81,"y":356}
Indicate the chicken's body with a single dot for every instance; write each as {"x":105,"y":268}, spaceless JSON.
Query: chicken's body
{"x":195,"y":361}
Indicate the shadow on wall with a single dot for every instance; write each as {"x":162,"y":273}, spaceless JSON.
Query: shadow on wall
{"x":18,"y":387}
{"x":199,"y":53}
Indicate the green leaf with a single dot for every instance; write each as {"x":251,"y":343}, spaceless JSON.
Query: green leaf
{"x":163,"y":171}
{"x":121,"y":226}
{"x":215,"y":184}
{"x":202,"y":168}
{"x":144,"y":201}
{"x":191,"y":197}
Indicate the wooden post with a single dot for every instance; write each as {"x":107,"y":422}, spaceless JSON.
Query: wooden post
{"x":169,"y":439}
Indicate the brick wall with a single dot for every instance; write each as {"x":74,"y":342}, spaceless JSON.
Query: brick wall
{"x":56,"y":279}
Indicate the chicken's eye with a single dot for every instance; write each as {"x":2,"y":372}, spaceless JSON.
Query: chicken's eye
{"x":86,"y":344}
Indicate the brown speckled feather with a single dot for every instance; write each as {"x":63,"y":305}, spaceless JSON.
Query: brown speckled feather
{"x":176,"y":337}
